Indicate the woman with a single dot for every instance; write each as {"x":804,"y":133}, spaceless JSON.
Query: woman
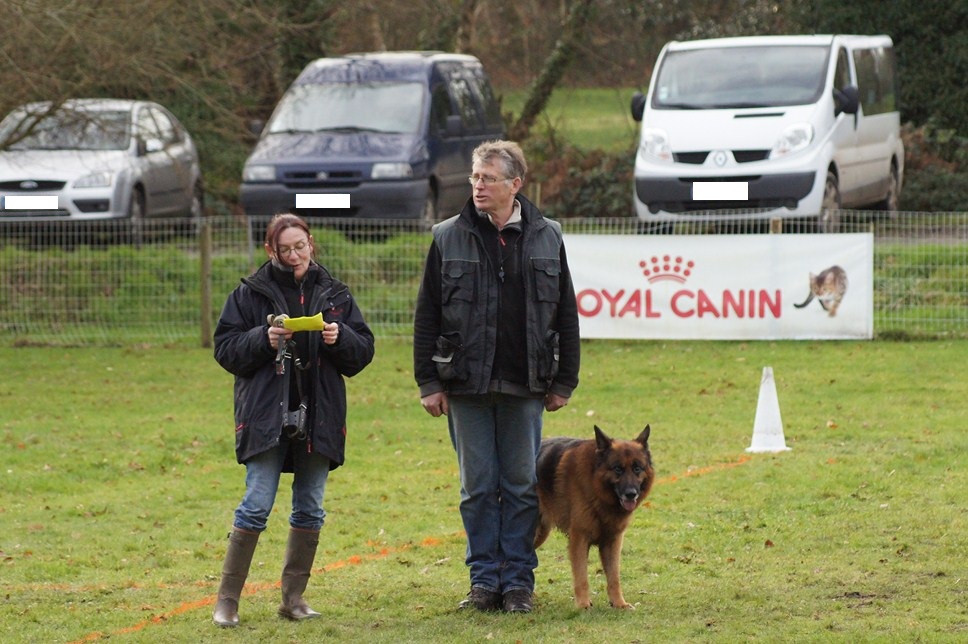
{"x":310,"y":368}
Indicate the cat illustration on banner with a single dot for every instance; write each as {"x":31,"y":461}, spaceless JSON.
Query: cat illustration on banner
{"x":828,"y":287}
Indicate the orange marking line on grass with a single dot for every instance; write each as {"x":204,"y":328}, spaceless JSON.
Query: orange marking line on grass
{"x":251,"y":589}
{"x":699,"y":471}
{"x":356,"y":560}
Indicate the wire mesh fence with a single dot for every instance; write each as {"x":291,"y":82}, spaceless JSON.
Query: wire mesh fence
{"x":164,"y":282}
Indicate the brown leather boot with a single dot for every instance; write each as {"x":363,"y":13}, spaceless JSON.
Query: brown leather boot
{"x":235,"y":569}
{"x":300,"y":553}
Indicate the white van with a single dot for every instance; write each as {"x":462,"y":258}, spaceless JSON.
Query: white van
{"x":778,"y":126}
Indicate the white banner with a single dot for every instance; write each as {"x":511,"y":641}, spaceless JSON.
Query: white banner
{"x":724,"y":287}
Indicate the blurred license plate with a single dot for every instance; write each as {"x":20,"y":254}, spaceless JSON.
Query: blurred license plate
{"x":322,"y":201}
{"x":720,"y":191}
{"x":30,"y":202}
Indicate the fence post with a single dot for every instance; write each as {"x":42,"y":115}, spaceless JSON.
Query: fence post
{"x":205,"y":279}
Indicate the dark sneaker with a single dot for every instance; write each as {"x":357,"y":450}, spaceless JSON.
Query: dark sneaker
{"x":481,"y":599}
{"x":518,"y":601}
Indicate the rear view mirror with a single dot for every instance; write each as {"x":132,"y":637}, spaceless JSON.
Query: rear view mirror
{"x":846,"y":100}
{"x":453,"y":125}
{"x":638,"y":106}
{"x":149,"y":145}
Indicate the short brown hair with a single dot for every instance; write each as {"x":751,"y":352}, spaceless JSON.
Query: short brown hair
{"x":281,"y":222}
{"x":508,"y":153}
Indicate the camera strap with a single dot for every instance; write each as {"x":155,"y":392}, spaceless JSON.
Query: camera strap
{"x":286,"y":373}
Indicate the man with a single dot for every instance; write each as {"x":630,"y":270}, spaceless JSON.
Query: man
{"x":495,"y":344}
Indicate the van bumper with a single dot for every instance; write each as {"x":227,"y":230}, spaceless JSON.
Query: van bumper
{"x":370,"y":200}
{"x":775,"y":192}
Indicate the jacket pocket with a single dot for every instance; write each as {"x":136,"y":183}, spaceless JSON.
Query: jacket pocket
{"x":548,"y":359}
{"x":457,"y":280}
{"x":449,"y":358}
{"x":546,"y":272}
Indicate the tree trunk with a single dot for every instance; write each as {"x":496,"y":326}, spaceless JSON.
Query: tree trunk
{"x":375,"y":29}
{"x":465,"y":29}
{"x":554,"y":68}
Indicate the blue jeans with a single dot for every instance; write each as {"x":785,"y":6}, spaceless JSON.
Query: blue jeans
{"x":262,"y":473}
{"x":496,"y":437}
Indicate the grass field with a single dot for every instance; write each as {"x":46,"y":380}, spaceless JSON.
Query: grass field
{"x":587,"y":118}
{"x":119,"y":482}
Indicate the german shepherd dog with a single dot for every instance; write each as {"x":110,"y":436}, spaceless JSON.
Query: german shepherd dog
{"x":588,"y":489}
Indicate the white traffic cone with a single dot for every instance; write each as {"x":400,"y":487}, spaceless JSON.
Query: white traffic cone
{"x":767,"y":426}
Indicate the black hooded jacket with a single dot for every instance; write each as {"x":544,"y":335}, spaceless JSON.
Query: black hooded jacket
{"x":242,"y":348}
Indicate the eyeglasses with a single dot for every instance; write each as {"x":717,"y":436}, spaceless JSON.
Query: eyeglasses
{"x":299,"y":247}
{"x":487,"y":179}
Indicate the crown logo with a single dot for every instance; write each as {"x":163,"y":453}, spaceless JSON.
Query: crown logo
{"x":666,"y":268}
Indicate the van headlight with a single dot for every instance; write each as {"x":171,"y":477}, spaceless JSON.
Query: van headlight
{"x":96,"y":180}
{"x":793,"y":139}
{"x":259,"y":173}
{"x":392,"y":171}
{"x":655,"y":144}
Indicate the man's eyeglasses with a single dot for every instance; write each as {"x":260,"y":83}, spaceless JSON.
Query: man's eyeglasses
{"x":299,"y":247}
{"x":487,"y":179}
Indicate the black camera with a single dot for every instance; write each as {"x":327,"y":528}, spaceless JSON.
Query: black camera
{"x":294,"y":422}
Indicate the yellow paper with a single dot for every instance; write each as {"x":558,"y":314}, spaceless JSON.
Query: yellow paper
{"x":314,"y":323}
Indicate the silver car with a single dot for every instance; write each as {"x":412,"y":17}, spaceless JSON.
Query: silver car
{"x":88,"y":159}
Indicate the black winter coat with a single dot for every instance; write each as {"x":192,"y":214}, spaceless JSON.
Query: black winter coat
{"x":242,"y":348}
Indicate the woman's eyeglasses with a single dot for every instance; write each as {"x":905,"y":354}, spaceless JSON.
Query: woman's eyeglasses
{"x":299,"y":247}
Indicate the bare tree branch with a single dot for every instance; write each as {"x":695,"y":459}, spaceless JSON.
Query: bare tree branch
{"x":554,"y":68}
{"x":465,"y":26}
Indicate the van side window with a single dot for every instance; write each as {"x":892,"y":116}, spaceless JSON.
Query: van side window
{"x":875,"y":79}
{"x":887,"y":74}
{"x":461,"y":91}
{"x":440,"y":108}
{"x":492,"y":109}
{"x":842,"y":73}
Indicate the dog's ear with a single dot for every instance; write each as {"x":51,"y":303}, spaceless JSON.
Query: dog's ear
{"x":643,"y":438}
{"x":602,"y":441}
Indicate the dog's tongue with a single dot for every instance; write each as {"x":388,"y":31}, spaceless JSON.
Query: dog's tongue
{"x":629,"y":504}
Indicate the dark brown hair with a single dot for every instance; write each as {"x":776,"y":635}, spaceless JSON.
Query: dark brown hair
{"x":281,"y":222}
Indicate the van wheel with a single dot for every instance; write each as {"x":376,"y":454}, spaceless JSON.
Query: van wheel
{"x":829,"y":219}
{"x":429,"y":215}
{"x":890,"y":201}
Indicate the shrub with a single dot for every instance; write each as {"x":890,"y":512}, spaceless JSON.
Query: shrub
{"x":934,"y":177}
{"x":580,"y":183}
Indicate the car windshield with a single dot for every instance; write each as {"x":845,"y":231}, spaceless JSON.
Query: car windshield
{"x":350,"y":107}
{"x":736,"y":77}
{"x":66,"y":130}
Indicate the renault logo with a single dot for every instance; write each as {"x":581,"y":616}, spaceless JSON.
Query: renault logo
{"x":322,"y":175}
{"x":29,"y":185}
{"x":719,"y":158}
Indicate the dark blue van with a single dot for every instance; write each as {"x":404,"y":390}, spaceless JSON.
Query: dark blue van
{"x":382,"y":135}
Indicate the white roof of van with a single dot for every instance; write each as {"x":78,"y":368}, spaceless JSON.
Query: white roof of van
{"x":760,"y":41}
